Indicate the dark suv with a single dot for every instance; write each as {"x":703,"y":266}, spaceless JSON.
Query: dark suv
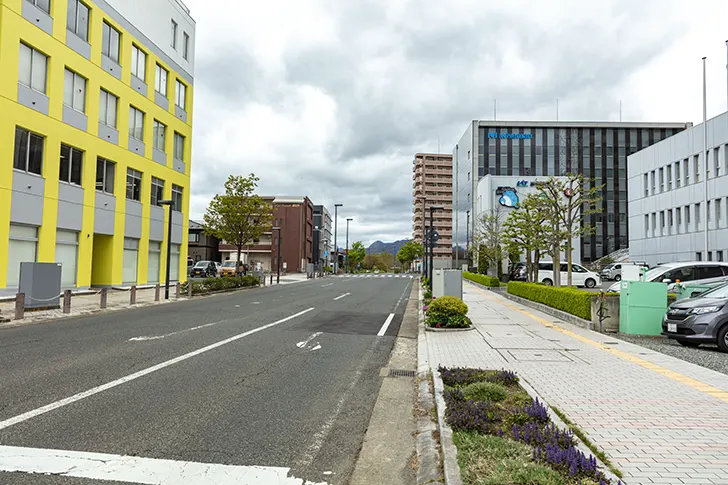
{"x":204,"y":269}
{"x":699,"y":320}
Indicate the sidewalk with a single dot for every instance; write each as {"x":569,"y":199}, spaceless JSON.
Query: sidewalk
{"x":659,"y":419}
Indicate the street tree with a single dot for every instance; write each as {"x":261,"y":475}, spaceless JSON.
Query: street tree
{"x":488,"y":238}
{"x":356,"y":254}
{"x":525,"y":231}
{"x":410,"y":251}
{"x":239,"y":216}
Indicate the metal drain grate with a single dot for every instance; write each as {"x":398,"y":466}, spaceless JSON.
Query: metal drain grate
{"x":401,"y":373}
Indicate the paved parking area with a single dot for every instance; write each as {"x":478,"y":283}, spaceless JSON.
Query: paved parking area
{"x":706,"y":355}
{"x":661,"y":420}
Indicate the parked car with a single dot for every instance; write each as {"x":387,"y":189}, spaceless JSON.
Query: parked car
{"x":580,"y":276}
{"x":613,"y":271}
{"x":699,"y":320}
{"x":517,"y":272}
{"x":700,"y":272}
{"x":231,"y":268}
{"x":204,"y":269}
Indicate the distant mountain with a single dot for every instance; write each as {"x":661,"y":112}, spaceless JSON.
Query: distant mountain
{"x":385,"y":247}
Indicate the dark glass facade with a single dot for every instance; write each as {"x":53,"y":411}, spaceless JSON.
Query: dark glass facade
{"x":598,"y":152}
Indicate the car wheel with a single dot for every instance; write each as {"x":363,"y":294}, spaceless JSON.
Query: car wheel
{"x":688,"y":343}
{"x":590,"y":283}
{"x":618,"y":278}
{"x":723,"y":338}
{"x":548,"y":282}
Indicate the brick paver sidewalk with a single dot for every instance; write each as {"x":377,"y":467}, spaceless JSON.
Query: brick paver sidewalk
{"x":659,"y":419}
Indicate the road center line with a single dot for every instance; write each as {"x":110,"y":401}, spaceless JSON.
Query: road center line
{"x":110,"y":385}
{"x":134,"y":469}
{"x":157,"y":337}
{"x":327,"y":284}
{"x":341,"y":296}
{"x":384,"y":328}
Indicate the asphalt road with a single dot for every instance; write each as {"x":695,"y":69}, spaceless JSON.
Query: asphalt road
{"x":284,"y":376}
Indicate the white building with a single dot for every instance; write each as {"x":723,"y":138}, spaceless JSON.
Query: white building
{"x":504,"y":193}
{"x":667,"y":198}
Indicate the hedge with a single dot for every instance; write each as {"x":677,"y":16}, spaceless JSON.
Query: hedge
{"x":569,"y":300}
{"x":209,"y":285}
{"x":482,"y":279}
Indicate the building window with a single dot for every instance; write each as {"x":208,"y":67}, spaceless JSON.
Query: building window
{"x":652,"y":179}
{"x":71,"y":165}
{"x":698,"y":256}
{"x":77,"y":18}
{"x":107,"y":108}
{"x":110,"y":42}
{"x":669,"y":177}
{"x":177,"y":198}
{"x":136,"y":123}
{"x":662,"y":223}
{"x":677,"y":175}
{"x":67,"y":256}
{"x":155,"y":253}
{"x":707,"y":212}
{"x":157,"y":191}
{"x":105,"y":173}
{"x":718,"y":212}
{"x":193,"y":237}
{"x":697,"y":216}
{"x":669,"y":221}
{"x":716,"y":161}
{"x":160,"y":132}
{"x":654,"y":224}
{"x":185,"y":46}
{"x":181,"y":100}
{"x":662,"y":180}
{"x":647,"y":185}
{"x":32,"y":69}
{"x":130,"y":261}
{"x":179,"y":146}
{"x":74,"y":91}
{"x":686,"y":171}
{"x":174,"y":35}
{"x":28,"y":151}
{"x":22,"y":247}
{"x":174,"y":263}
{"x":719,"y":255}
{"x":133,"y":184}
{"x":687,"y":218}
{"x":678,"y":219}
{"x":696,"y":163}
{"x":138,"y":63}
{"x":44,"y":5}
{"x":647,"y":225}
{"x":161,"y":80}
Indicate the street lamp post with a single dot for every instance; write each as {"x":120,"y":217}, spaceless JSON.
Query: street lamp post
{"x":336,"y":240}
{"x":433,"y":208}
{"x":424,"y":236}
{"x":278,"y":255}
{"x":467,"y":241}
{"x":169,"y":203}
{"x":347,"y":268}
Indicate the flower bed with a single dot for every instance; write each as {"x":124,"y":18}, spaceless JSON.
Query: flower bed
{"x":504,"y":436}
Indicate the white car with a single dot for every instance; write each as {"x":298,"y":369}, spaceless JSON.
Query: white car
{"x":700,"y":272}
{"x":580,"y":276}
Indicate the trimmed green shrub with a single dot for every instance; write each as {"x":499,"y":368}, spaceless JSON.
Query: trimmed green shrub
{"x":484,"y":280}
{"x":209,"y":285}
{"x":447,"y":311}
{"x":449,"y":305}
{"x":485,"y":391}
{"x":569,"y":300}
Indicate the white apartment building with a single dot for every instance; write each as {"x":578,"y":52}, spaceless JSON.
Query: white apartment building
{"x":668,"y":211}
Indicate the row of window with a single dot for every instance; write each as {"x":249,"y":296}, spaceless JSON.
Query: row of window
{"x":33,"y":73}
{"x":662,"y":178}
{"x":679,"y":220}
{"x":28,"y":157}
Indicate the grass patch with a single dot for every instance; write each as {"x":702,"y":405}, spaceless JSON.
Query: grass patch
{"x":485,"y":391}
{"x":585,"y":439}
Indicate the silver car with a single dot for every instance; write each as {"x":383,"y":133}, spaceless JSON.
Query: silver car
{"x":700,"y":320}
{"x":700,"y":272}
{"x":613,"y":271}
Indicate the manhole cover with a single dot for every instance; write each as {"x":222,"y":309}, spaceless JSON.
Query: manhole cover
{"x":401,"y":373}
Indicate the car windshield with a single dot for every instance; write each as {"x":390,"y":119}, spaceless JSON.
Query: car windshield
{"x":228,"y":264}
{"x":609,"y":266}
{"x":720,"y":292}
{"x":202,"y":264}
{"x":656,"y":272}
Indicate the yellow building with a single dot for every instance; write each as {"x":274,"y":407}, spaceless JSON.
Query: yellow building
{"x":95,"y":130}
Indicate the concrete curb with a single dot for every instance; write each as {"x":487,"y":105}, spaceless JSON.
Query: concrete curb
{"x":428,"y":453}
{"x":560,"y":424}
{"x":450,"y":465}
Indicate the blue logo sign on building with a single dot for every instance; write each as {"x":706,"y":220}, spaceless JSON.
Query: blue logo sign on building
{"x":506,"y":136}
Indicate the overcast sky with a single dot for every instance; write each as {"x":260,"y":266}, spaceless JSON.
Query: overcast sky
{"x":331,"y":98}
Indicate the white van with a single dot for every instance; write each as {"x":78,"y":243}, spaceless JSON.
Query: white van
{"x":580,"y":276}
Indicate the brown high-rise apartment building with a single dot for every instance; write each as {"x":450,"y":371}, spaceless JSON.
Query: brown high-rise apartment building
{"x":432,"y":179}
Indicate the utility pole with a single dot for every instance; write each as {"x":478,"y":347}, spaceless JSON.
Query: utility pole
{"x":336,"y":241}
{"x":705,"y":159}
{"x":431,"y":241}
{"x":467,"y":241}
{"x":347,"y":268}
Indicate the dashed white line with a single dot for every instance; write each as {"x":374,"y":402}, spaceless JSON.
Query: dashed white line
{"x":341,"y":296}
{"x":158,"y":337}
{"x":110,"y":385}
{"x":327,"y":284}
{"x":384,"y":328}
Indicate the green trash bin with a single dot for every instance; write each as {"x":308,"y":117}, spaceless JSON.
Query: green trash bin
{"x":642,"y":307}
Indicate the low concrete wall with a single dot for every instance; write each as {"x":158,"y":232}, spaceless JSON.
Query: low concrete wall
{"x":611,"y":311}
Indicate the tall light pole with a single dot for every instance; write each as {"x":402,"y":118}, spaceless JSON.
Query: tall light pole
{"x":705,"y":160}
{"x":169,"y":203}
{"x":433,"y":208}
{"x":348,"y":220}
{"x":336,"y":240}
{"x":467,"y":241}
{"x":424,"y":236}
{"x":278,"y":255}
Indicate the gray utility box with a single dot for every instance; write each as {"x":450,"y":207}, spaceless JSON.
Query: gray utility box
{"x":41,"y":283}
{"x":447,"y":282}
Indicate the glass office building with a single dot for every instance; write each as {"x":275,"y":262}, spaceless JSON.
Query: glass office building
{"x":596,"y":150}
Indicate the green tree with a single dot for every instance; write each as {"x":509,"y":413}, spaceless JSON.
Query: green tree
{"x":525,"y":232}
{"x":356,"y":254}
{"x":239,"y":216}
{"x":410,"y":251}
{"x":488,"y":237}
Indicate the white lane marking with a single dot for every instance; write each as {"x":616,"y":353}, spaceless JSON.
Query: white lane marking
{"x":255,"y":303}
{"x":341,"y":296}
{"x":389,"y":276}
{"x":384,"y":328}
{"x":317,"y":347}
{"x":301,"y":345}
{"x":328,"y":284}
{"x":157,"y":337}
{"x":133,"y":469}
{"x":110,"y":385}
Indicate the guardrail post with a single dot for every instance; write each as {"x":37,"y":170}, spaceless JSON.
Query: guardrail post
{"x":67,"y":301}
{"x":132,"y":295}
{"x":176,"y":290}
{"x":104,"y":298}
{"x":157,"y":289}
{"x":19,"y":306}
{"x":189,"y":289}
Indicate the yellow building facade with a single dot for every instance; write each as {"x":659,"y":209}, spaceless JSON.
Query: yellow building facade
{"x":95,"y":130}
